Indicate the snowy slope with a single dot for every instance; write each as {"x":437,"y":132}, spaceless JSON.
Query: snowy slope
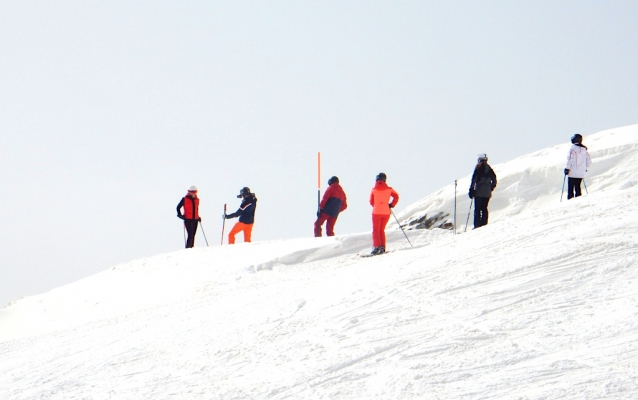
{"x":542,"y":304}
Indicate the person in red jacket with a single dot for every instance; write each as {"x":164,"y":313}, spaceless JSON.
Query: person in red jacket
{"x":381,"y":205}
{"x":333,"y":202}
{"x":190,"y":204}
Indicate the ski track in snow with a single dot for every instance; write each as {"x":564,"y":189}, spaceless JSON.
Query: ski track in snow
{"x":542,"y":303}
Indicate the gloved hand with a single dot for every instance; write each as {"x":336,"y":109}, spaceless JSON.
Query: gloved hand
{"x":566,"y":171}
{"x":318,"y":213}
{"x":471,"y":193}
{"x":391,"y":206}
{"x":199,"y":219}
{"x":180,"y":216}
{"x":224,"y":216}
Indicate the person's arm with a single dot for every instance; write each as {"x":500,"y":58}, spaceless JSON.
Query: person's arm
{"x":344,"y":203}
{"x":395,"y":198}
{"x":493,"y":180}
{"x":372,"y":198}
{"x":179,"y":209}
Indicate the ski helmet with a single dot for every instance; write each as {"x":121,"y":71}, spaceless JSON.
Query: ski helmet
{"x":332,"y":180}
{"x":577,"y":138}
{"x":482,"y":157}
{"x":243,"y":192}
{"x":192,"y":188}
{"x":381,"y":177}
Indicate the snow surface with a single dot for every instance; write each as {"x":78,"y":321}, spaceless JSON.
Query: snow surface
{"x":542,"y":303}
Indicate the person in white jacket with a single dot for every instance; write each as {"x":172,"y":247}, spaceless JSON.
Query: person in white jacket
{"x":578,"y":162}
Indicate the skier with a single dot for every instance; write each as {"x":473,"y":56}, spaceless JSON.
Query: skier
{"x":380,"y":201}
{"x":191,"y":218}
{"x":333,"y":202}
{"x":246,"y":214}
{"x":578,"y":161}
{"x":481,"y":188}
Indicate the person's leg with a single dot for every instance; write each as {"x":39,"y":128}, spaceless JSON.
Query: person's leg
{"x":191,"y":229}
{"x":236,"y":229}
{"x":383,"y":223}
{"x":319,"y":222}
{"x":376,"y":227}
{"x":477,"y":212}
{"x":577,"y":189}
{"x":570,"y":187}
{"x":248,"y":232}
{"x":480,"y":210}
{"x":485,"y":214}
{"x":330,"y":226}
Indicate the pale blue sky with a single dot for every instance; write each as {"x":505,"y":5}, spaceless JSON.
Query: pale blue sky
{"x":110,"y":110}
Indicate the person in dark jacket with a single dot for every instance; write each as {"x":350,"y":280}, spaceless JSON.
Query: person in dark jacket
{"x":483,"y":183}
{"x":333,"y":202}
{"x":190,"y":204}
{"x":246,"y":214}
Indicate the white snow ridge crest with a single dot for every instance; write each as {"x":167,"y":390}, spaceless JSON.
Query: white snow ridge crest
{"x":542,"y":303}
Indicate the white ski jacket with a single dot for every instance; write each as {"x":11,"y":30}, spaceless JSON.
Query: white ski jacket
{"x":578,"y":161}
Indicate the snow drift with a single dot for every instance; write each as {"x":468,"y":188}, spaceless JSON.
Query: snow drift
{"x":541,"y":303}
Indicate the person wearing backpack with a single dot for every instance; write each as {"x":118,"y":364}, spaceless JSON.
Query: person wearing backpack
{"x":481,"y":188}
{"x":578,"y":161}
{"x":190,"y":204}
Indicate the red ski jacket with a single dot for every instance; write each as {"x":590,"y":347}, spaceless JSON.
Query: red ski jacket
{"x":334,"y":200}
{"x":380,"y":198}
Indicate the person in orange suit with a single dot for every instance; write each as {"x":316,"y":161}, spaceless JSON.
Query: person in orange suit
{"x":333,"y":202}
{"x":381,"y":205}
{"x":246,"y":214}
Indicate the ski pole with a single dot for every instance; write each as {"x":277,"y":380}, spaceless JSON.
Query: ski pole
{"x":455,"y":206}
{"x":563,"y":189}
{"x":406,"y":236}
{"x":468,"y":215}
{"x":586,"y":191}
{"x":223,"y":224}
{"x":202,"y":225}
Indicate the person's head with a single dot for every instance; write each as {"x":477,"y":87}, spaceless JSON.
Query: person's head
{"x":244,"y":192}
{"x":381,"y":177}
{"x":577,"y":138}
{"x":332,"y":180}
{"x":192,"y":190}
{"x":482,"y":158}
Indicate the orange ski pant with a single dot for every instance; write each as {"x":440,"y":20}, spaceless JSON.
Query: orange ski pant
{"x":240,"y":226}
{"x":378,"y":229}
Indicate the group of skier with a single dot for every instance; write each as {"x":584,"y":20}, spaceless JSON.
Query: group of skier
{"x":382,"y":199}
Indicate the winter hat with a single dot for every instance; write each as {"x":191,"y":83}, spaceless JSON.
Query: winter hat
{"x":381,"y":177}
{"x":192,"y":188}
{"x":332,"y":180}
{"x":577,"y":138}
{"x":482,"y":157}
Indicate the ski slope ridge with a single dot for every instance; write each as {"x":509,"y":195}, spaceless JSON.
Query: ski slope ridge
{"x":541,"y":304}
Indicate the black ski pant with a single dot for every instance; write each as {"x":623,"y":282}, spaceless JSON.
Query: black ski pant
{"x":191,"y":229}
{"x":573,"y":187}
{"x":480,"y":211}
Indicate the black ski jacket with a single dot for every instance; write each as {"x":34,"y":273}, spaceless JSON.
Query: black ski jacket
{"x":483,"y":181}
